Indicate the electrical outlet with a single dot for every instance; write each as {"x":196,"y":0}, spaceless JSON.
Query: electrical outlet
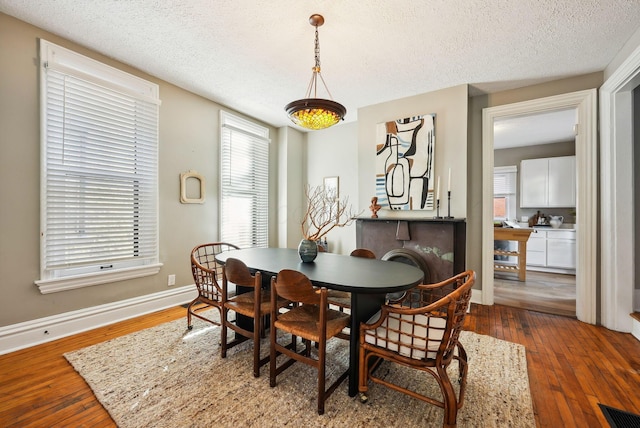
{"x":171,"y":280}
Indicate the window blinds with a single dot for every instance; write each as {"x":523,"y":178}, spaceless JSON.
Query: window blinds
{"x":100,"y":160}
{"x":504,"y":180}
{"x":244,"y":182}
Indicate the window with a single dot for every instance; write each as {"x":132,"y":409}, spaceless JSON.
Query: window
{"x":504,"y":192}
{"x":244,"y":182}
{"x":99,"y":186}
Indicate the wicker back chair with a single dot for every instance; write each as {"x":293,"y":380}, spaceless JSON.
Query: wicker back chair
{"x":309,"y":318}
{"x":421,"y":331}
{"x":207,"y":274}
{"x":254,"y":304}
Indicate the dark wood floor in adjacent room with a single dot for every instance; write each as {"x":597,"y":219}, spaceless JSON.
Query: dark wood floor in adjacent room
{"x":572,"y":367}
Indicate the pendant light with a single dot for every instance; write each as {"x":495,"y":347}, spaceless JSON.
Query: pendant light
{"x":313,"y":112}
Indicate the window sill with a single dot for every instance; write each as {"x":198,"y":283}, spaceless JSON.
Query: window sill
{"x":70,"y":283}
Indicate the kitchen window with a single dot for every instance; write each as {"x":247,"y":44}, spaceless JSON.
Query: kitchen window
{"x":99,"y":185}
{"x":504,"y":192}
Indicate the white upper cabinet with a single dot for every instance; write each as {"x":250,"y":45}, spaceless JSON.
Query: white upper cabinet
{"x":562,"y":181}
{"x":548,"y":182}
{"x":534,"y":182}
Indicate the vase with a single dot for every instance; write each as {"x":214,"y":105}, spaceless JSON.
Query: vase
{"x":308,"y":250}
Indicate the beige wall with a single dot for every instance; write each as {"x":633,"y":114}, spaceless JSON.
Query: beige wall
{"x":450,"y":107}
{"x":189,"y":140}
{"x":334,"y":152}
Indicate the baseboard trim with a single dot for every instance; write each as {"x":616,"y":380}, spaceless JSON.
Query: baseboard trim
{"x":26,"y":334}
{"x":476,"y":296}
{"x":635,"y":324}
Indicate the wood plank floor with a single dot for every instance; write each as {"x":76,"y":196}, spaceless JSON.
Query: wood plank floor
{"x":572,"y":367}
{"x":552,"y":293}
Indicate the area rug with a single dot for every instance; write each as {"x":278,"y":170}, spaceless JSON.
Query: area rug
{"x":167,"y":376}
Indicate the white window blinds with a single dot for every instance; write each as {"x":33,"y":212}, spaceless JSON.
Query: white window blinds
{"x":504,"y":180}
{"x":99,"y":156}
{"x":244,"y":182}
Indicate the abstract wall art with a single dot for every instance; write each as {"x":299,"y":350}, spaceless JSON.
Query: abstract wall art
{"x":404,"y":163}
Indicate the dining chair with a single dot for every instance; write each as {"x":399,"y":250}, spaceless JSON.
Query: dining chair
{"x":342,"y":299}
{"x":309,"y":318}
{"x":420,"y":331}
{"x":207,"y":274}
{"x":254,"y":304}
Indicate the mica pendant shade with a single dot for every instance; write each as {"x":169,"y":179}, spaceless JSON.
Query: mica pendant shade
{"x":312,"y":112}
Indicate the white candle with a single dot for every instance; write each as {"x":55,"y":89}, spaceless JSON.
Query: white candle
{"x":438,"y":190}
{"x":449,"y":187}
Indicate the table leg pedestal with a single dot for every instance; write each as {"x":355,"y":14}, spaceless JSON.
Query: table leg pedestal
{"x":363,"y":307}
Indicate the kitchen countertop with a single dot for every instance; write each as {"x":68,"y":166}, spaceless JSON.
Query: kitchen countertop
{"x":563,"y":227}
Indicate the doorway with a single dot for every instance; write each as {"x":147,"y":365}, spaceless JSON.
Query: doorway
{"x":586,"y":208}
{"x":549,"y":283}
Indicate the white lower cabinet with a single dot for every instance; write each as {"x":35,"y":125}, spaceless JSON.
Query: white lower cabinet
{"x":553,"y":250}
{"x":537,"y":249}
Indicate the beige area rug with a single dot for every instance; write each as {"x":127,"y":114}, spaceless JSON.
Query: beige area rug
{"x":167,"y":376}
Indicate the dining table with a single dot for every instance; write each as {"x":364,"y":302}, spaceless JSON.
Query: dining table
{"x":368,"y":281}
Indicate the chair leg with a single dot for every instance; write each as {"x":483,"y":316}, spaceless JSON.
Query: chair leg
{"x":257,"y":332}
{"x":449,"y":398}
{"x":223,"y":332}
{"x":272,"y":355}
{"x":193,"y":302}
{"x":321,"y":376}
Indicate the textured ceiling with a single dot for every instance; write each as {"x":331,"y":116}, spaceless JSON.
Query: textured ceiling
{"x":256,"y":55}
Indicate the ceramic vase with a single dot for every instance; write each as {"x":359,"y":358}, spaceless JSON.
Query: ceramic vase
{"x":308,"y":250}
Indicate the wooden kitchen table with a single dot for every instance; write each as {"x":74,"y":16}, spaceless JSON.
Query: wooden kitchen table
{"x":520,"y":235}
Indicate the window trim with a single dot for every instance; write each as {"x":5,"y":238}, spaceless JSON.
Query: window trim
{"x":69,"y":62}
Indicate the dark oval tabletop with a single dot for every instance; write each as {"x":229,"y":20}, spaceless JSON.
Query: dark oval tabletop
{"x":336,"y":271}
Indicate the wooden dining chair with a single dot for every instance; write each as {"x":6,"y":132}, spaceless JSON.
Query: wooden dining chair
{"x":207,"y":274}
{"x":254,"y":304}
{"x":421,"y":331}
{"x":311,"y":319}
{"x":342,"y":299}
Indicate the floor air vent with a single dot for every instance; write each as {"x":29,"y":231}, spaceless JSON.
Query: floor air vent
{"x":620,"y":418}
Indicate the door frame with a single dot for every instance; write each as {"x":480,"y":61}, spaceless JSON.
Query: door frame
{"x":617,"y":194}
{"x":585,"y":102}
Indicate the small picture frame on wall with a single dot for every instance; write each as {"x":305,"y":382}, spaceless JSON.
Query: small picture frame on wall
{"x":192,"y":188}
{"x":332,"y":188}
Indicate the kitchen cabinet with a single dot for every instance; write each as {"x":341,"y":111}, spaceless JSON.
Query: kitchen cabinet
{"x":561,"y":249}
{"x":552,"y":250}
{"x":548,"y":182}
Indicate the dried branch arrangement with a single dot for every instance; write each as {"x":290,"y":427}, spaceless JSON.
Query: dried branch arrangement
{"x":324,"y":212}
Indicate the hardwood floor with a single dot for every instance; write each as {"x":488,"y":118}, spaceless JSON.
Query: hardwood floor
{"x":572,"y":367}
{"x":552,"y":293}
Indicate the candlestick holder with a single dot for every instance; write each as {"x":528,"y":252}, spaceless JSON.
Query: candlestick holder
{"x":448,"y":204}
{"x":437,"y":209}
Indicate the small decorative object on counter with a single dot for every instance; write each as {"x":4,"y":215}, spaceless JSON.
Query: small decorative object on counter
{"x":538,"y":219}
{"x":374,"y":207}
{"x":556,"y":221}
